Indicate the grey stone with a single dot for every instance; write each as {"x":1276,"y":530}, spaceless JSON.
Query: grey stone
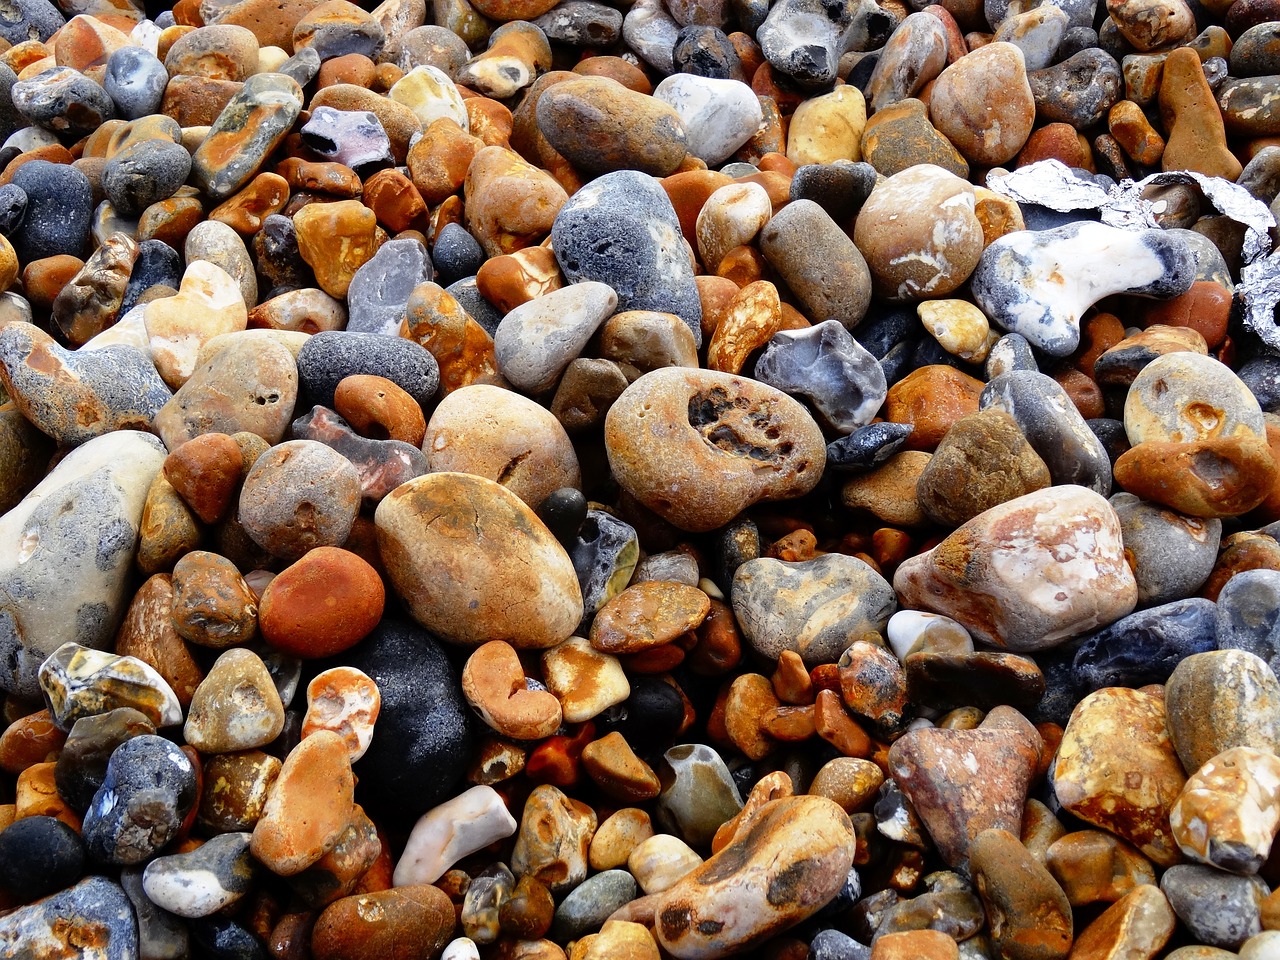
{"x":58,"y":927}
{"x":1218,"y":909}
{"x":380,"y":288}
{"x":826,"y":365}
{"x":1172,"y":554}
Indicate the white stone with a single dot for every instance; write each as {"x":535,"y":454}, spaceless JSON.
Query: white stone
{"x":537,"y":340}
{"x":189,"y":884}
{"x":585,"y":681}
{"x":719,"y":115}
{"x":732,"y":217}
{"x":461,"y":948}
{"x":447,"y":833}
{"x":659,"y":862}
{"x":67,"y":550}
{"x":208,"y":303}
{"x":1229,"y":811}
{"x":131,"y":329}
{"x":910,"y":631}
{"x":431,"y":95}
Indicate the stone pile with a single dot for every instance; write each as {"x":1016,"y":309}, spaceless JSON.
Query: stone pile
{"x":534,"y":480}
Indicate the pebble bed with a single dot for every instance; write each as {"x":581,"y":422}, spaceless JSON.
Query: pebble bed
{"x":534,"y":480}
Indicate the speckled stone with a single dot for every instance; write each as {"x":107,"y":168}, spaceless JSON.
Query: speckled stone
{"x":1219,"y":700}
{"x":92,"y":916}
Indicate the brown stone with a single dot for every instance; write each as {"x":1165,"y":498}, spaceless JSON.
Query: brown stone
{"x":1028,"y":915}
{"x":1205,"y":308}
{"x":148,"y":634}
{"x":438,"y":162}
{"x":515,"y":278}
{"x":394,"y":200}
{"x":915,"y":945}
{"x":1215,"y":477}
{"x":1196,"y":137}
{"x":336,"y":239}
{"x":322,"y":604}
{"x":648,"y":615}
{"x":983,"y":104}
{"x":29,"y":740}
{"x":1093,"y":866}
{"x":404,"y":923}
{"x":889,"y":491}
{"x":511,"y":204}
{"x":380,"y":409}
{"x":1135,"y":927}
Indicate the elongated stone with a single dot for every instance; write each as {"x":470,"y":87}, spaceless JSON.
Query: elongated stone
{"x":251,"y":125}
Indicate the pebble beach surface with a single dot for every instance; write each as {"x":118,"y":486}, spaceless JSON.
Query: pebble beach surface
{"x":681,"y":479}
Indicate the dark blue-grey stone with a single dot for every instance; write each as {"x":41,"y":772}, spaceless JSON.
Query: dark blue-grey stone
{"x":829,"y":368}
{"x":898,"y":362}
{"x":13,"y":208}
{"x":457,"y":254}
{"x":135,"y":80}
{"x":603,"y":546}
{"x":331,"y":355}
{"x":38,"y":856}
{"x":1262,"y":376}
{"x":59,"y":209}
{"x":380,"y":288}
{"x":470,"y":299}
{"x":22,"y":20}
{"x":82,"y":764}
{"x":1249,"y":615}
{"x":834,"y":945}
{"x":1144,"y":647}
{"x":1112,"y":435}
{"x":10,"y":119}
{"x":581,"y":23}
{"x":157,"y":264}
{"x":563,"y":512}
{"x":867,"y":446}
{"x":1062,"y":688}
{"x":621,"y":229}
{"x":143,"y":174}
{"x":277,"y":258}
{"x":737,"y":542}
{"x":706,"y":51}
{"x":302,"y":66}
{"x":63,"y":100}
{"x":590,"y":903}
{"x":884,"y":327}
{"x":221,"y":938}
{"x":150,"y":787}
{"x":1036,"y":217}
{"x":421,"y":744}
{"x":1219,"y":909}
{"x":840,"y":188}
{"x":94,"y":911}
{"x":844,"y":901}
{"x":161,"y":934}
{"x":928,"y":352}
{"x":1076,"y":39}
{"x":1053,"y":426}
{"x":1256,"y":52}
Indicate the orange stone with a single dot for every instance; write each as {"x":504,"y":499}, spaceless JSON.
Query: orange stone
{"x":516,"y":278}
{"x":932,"y":398}
{"x":648,"y":615}
{"x":30,"y":740}
{"x":394,"y":200}
{"x":403,"y":923}
{"x":243,"y":212}
{"x":462,"y":348}
{"x":752,"y":319}
{"x":309,"y":807}
{"x":438,"y":163}
{"x":325,"y":603}
{"x":379,"y":408}
{"x":1205,"y":308}
{"x":336,"y":240}
{"x":205,"y":471}
{"x":36,"y":795}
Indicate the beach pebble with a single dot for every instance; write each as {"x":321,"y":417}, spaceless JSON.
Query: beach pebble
{"x":94,"y":910}
{"x":236,"y":706}
{"x":1219,"y":700}
{"x":299,"y":495}
{"x":149,"y":789}
{"x":828,"y":366}
{"x":719,"y":114}
{"x":1219,"y":909}
{"x":1227,"y":814}
{"x":201,"y":882}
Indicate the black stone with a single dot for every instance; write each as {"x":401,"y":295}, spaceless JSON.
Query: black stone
{"x":883,"y":328}
{"x":457,"y":254}
{"x":39,"y":856}
{"x":945,"y":681}
{"x":13,"y":208}
{"x":1144,"y":647}
{"x":840,"y":188}
{"x":737,"y":543}
{"x":221,"y":938}
{"x":867,"y":446}
{"x":59,"y":210}
{"x":1113,"y":436}
{"x":1262,"y":376}
{"x":649,"y":719}
{"x":149,"y":789}
{"x":145,"y":173}
{"x":834,"y":945}
{"x":705,"y":51}
{"x":563,"y":512}
{"x":332,"y":355}
{"x":421,"y":744}
{"x":276,"y":255}
{"x":158,"y":264}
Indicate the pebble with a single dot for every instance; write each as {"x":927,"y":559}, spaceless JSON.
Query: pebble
{"x":196,"y":884}
{"x":236,"y":706}
{"x":455,"y":829}
{"x":149,"y":789}
{"x":1218,"y":909}
{"x":92,"y":914}
{"x":1226,"y":815}
{"x":40,"y":856}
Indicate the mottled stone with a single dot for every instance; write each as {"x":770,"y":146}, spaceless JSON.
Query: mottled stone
{"x":841,"y":379}
{"x":820,"y":264}
{"x":1028,"y":913}
{"x":150,"y":787}
{"x":92,"y":918}
{"x":1217,"y":908}
{"x":249,"y":128}
{"x":1219,"y":700}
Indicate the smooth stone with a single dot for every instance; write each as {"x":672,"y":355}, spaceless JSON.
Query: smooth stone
{"x":802,"y":40}
{"x":451,"y":831}
{"x":537,"y":340}
{"x":651,"y":32}
{"x":867,"y":447}
{"x":1019,"y":284}
{"x":1172,"y":554}
{"x":236,"y":706}
{"x":247,"y":386}
{"x":73,"y":535}
{"x":297,"y":496}
{"x":622,"y":230}
{"x":381,"y":287}
{"x":1145,"y":647}
{"x":39,"y":856}
{"x":1029,"y":914}
{"x":698,"y":791}
{"x":1138,"y":925}
{"x":962,"y":782}
{"x":1218,"y":909}
{"x":380,"y":465}
{"x":199,"y":883}
{"x":1053,"y":426}
{"x":988,"y":573}
{"x":135,"y":79}
{"x":1228,"y":812}
{"x":208,"y":303}
{"x":1219,"y":700}
{"x":1248,"y":610}
{"x":914,"y":55}
{"x":592,"y":902}
{"x":74,"y":396}
{"x":706,"y":459}
{"x":248,"y":129}
{"x":982,"y":680}
{"x":821,"y":265}
{"x":1131,"y":794}
{"x":308,"y":808}
{"x":62,"y":99}
{"x":983,"y":104}
{"x":149,"y":789}
{"x":552,"y":842}
{"x":1183,"y":397}
{"x":825,"y":364}
{"x":912,"y":631}
{"x":731,"y":217}
{"x":458,"y":548}
{"x":381,"y":923}
{"x":719,"y":115}
{"x":59,"y":927}
{"x":82,"y":764}
{"x":778,"y":870}
{"x":1093,"y":866}
{"x":422,"y":742}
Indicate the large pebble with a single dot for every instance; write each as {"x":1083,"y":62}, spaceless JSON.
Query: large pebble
{"x":92,"y":918}
{"x":1028,"y":574}
{"x":1219,"y":700}
{"x":474,"y":563}
{"x":149,"y":789}
{"x":697,"y":447}
{"x":538,"y":339}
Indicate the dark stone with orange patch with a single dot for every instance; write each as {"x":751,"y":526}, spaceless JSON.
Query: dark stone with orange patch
{"x":74,"y":396}
{"x":92,"y":918}
{"x":252,"y":124}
